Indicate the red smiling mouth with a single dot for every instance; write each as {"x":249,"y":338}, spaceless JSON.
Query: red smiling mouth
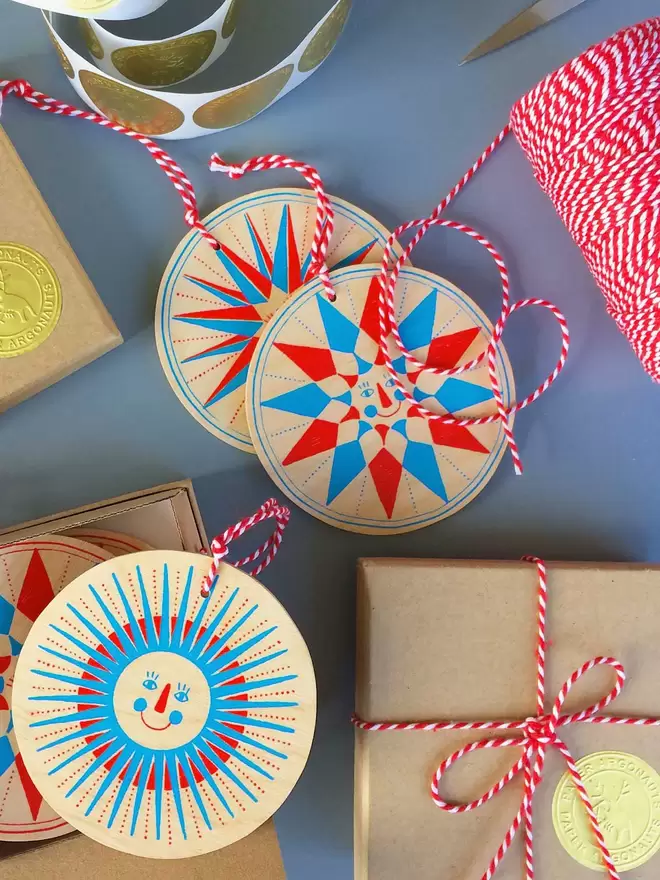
{"x":146,"y":724}
{"x":389,"y":415}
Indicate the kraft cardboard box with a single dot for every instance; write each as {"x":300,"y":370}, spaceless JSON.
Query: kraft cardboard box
{"x":455,"y":641}
{"x":51,"y":319}
{"x":166,"y":517}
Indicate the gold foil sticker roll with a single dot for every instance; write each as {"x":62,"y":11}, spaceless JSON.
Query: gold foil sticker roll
{"x":229,"y":24}
{"x":30,"y":299}
{"x":64,"y":61}
{"x":91,"y":40}
{"x":323,"y":41}
{"x":243,"y":103}
{"x":130,"y":107}
{"x":165,"y":63}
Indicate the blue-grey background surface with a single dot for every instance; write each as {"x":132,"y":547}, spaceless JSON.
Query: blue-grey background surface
{"x":392,"y":122}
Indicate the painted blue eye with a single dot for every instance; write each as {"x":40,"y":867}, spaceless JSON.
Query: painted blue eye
{"x":399,"y":395}
{"x":181,"y":696}
{"x":149,"y":684}
{"x":367,"y":392}
{"x":389,"y":382}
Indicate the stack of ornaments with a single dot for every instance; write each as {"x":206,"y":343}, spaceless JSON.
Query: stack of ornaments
{"x":32,"y":573}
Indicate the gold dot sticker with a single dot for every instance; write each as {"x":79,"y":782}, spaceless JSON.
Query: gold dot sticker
{"x":625,"y":794}
{"x":323,"y":41}
{"x":30,"y":299}
{"x":130,"y":107}
{"x":165,"y":63}
{"x":64,"y":61}
{"x":229,"y":24}
{"x":91,"y":40}
{"x":243,"y":103}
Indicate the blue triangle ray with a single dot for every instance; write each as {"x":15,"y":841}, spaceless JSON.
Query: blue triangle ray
{"x":183,"y":609}
{"x":152,"y":638}
{"x":342,"y":334}
{"x":133,"y":625}
{"x":144,"y":772}
{"x":220,"y":294}
{"x":307,"y":400}
{"x":228,"y":674}
{"x":235,"y":718}
{"x":165,"y":622}
{"x":214,"y":624}
{"x":247,"y":686}
{"x":347,"y":462}
{"x":127,"y":781}
{"x":225,"y":637}
{"x":241,"y":758}
{"x":223,"y":660}
{"x":420,"y":461}
{"x":127,"y":644}
{"x":416,"y":329}
{"x":176,"y":791}
{"x":192,"y":785}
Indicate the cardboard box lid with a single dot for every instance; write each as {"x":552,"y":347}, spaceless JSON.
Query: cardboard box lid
{"x":454,"y":640}
{"x":171,"y":509}
{"x":255,"y":857}
{"x":84,"y":329}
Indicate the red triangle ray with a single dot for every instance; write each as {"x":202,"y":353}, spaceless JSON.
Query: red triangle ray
{"x":319,"y":437}
{"x":243,"y":359}
{"x":317,"y":363}
{"x":237,"y":294}
{"x":386,"y":474}
{"x":456,"y":436}
{"x":268,"y":260}
{"x":295,"y":278}
{"x":446,"y":351}
{"x":32,"y":793}
{"x":253,"y":275}
{"x":36,"y":589}
{"x":233,"y":313}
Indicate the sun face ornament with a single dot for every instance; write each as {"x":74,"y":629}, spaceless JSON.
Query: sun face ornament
{"x":212,"y":306}
{"x":334,"y":432}
{"x":32,"y":573}
{"x":159,"y":722}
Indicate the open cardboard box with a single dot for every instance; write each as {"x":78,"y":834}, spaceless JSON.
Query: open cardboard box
{"x":167,"y":518}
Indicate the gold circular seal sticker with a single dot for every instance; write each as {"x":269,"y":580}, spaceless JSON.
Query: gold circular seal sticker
{"x":30,"y":299}
{"x":625,"y":794}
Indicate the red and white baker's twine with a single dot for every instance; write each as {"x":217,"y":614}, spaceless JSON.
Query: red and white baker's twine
{"x":270,"y":509}
{"x":591,"y":131}
{"x":184,"y":187}
{"x":389,"y":327}
{"x":537,"y":734}
{"x":324,"y":216}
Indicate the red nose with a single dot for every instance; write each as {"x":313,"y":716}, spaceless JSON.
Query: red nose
{"x":161,"y":705}
{"x":385,"y":401}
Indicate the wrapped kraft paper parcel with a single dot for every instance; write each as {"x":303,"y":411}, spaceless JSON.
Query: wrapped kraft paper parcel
{"x":443,"y":641}
{"x":51,"y":319}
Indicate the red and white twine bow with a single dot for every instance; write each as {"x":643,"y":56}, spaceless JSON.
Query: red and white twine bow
{"x":270,"y":509}
{"x":325,"y":215}
{"x":535,"y":736}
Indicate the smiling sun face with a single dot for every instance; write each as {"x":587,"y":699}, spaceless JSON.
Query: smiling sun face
{"x":162,"y":700}
{"x":380,"y":398}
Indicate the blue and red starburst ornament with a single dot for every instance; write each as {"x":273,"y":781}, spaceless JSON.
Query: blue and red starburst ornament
{"x":156,"y":720}
{"x":330,"y":427}
{"x":31,"y":574}
{"x":213,"y":306}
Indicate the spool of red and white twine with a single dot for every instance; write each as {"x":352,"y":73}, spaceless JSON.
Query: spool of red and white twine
{"x":534,"y":736}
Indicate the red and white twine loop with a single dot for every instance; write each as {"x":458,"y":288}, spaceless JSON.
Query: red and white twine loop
{"x":325,"y":215}
{"x":534,"y":736}
{"x":270,"y":509}
{"x":175,"y":173}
